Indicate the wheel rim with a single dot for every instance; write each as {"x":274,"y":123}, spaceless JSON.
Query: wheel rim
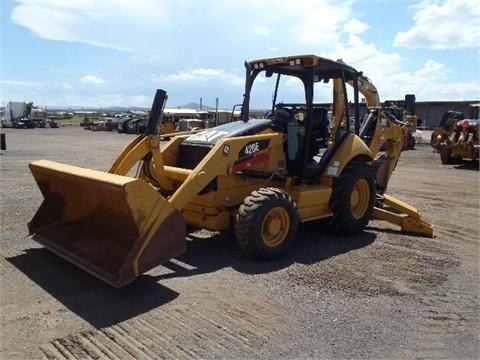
{"x":275,"y":226}
{"x":360,"y":198}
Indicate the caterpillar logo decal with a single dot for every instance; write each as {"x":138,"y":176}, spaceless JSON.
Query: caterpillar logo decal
{"x":253,"y":147}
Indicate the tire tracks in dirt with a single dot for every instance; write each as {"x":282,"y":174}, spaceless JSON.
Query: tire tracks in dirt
{"x":237,"y":328}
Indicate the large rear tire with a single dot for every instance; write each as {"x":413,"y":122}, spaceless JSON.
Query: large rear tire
{"x":411,"y":143}
{"x":266,"y":224}
{"x":445,"y":156}
{"x":352,"y":200}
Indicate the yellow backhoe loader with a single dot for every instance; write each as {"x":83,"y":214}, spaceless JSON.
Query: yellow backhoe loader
{"x":261,"y":177}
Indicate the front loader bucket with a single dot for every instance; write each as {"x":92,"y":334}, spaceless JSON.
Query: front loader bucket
{"x":114,"y":227}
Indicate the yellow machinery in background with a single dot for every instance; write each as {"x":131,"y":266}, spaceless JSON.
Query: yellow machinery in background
{"x":404,"y":110}
{"x":261,"y":177}
{"x":457,"y":138}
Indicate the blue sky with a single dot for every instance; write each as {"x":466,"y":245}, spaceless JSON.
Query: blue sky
{"x":117,"y":52}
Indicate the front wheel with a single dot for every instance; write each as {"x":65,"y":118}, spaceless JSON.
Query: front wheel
{"x":266,"y":223}
{"x":352,"y":200}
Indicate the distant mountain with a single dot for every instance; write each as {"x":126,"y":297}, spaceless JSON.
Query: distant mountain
{"x":191,"y":105}
{"x":124,"y":108}
{"x":194,"y":106}
{"x":103,"y":108}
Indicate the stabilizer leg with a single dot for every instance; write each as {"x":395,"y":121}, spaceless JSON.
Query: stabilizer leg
{"x":404,"y":215}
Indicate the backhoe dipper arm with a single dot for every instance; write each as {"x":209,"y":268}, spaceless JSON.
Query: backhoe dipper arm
{"x":387,"y":207}
{"x":391,"y":133}
{"x":367,"y":89}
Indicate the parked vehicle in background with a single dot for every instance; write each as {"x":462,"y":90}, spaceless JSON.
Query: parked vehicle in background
{"x":38,"y":117}
{"x":405,"y":111}
{"x":457,"y":138}
{"x":171,"y":118}
{"x":190,"y":125}
{"x":132,"y":125}
{"x":449,"y":118}
{"x":16,"y":115}
{"x":221,"y":116}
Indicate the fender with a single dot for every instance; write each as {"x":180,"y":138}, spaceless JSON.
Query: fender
{"x":352,"y":147}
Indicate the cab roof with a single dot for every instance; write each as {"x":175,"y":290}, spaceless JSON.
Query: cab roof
{"x":298,"y":65}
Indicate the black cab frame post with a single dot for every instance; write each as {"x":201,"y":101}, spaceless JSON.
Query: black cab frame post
{"x":345,"y":97}
{"x":308,"y":82}
{"x":356,"y":104}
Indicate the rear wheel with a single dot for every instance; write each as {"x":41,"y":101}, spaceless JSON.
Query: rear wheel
{"x":445,"y":156}
{"x":411,"y":143}
{"x":266,"y":223}
{"x":353,"y":198}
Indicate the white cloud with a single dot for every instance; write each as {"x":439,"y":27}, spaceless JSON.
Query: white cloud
{"x":115,"y":24}
{"x":92,"y":79}
{"x":366,"y":57}
{"x":323,"y":22}
{"x":193,"y":42}
{"x":432,"y":69}
{"x":424,"y":83}
{"x":70,"y":94}
{"x":385,"y":71}
{"x":201,"y":75}
{"x":133,"y":26}
{"x":262,"y":30}
{"x":20,"y":83}
{"x":443,"y":25}
{"x":13,"y":90}
{"x":355,"y":26}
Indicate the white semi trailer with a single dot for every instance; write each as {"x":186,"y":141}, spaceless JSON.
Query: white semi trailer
{"x":15,"y":115}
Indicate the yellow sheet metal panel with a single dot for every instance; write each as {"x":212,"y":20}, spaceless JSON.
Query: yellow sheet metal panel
{"x":409,"y":221}
{"x":401,"y":206}
{"x":352,"y":147}
{"x":218,"y":222}
{"x":70,"y":170}
{"x":312,"y":203}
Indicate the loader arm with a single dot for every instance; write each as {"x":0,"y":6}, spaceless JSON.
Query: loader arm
{"x":145,"y":143}
{"x":139,"y":150}
{"x":218,"y":162}
{"x":146,"y":147}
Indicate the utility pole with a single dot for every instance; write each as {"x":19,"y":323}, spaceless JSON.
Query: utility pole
{"x":216,"y":111}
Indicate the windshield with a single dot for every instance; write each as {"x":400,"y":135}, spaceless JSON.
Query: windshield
{"x":290,"y":90}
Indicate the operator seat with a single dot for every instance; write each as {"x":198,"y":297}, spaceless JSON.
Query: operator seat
{"x":280,"y":120}
{"x":296,"y":132}
{"x":319,"y":130}
{"x":316,"y":165}
{"x":367,"y":128}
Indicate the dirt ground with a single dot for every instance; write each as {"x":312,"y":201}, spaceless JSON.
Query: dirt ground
{"x":378,"y":295}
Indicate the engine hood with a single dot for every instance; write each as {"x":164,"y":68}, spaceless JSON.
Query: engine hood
{"x":233,"y":129}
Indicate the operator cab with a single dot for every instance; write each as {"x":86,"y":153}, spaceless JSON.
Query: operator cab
{"x":311,"y":138}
